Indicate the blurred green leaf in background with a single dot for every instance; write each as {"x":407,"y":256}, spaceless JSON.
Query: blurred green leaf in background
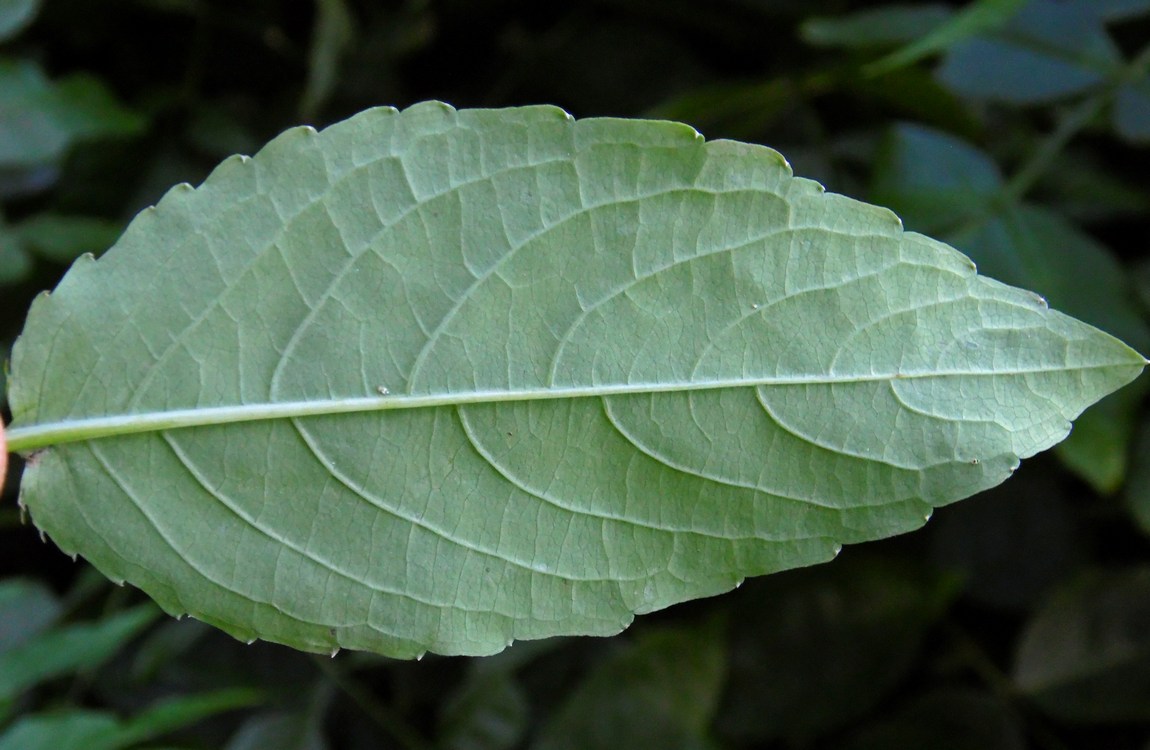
{"x":15,"y":15}
{"x":41,"y":119}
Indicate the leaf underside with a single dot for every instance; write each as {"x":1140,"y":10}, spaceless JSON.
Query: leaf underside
{"x":438,"y":380}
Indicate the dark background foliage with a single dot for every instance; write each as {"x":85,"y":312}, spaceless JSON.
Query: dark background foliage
{"x":1017,"y":131}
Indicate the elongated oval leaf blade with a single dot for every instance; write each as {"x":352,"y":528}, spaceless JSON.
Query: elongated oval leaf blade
{"x":437,"y":380}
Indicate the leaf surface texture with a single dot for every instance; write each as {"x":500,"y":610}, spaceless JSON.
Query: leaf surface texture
{"x":438,"y":380}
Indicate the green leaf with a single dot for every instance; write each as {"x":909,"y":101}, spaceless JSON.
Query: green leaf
{"x":977,"y":17}
{"x":1048,"y":51}
{"x":15,"y":263}
{"x":936,"y":182}
{"x":67,"y":649}
{"x":1120,"y":10}
{"x":15,"y":15}
{"x":884,"y":26}
{"x":660,"y":692}
{"x":62,"y":238}
{"x":170,"y":715}
{"x":27,"y":608}
{"x":1132,"y":110}
{"x":91,"y":730}
{"x":440,"y":380}
{"x":332,"y":34}
{"x":41,"y":119}
{"x":1086,"y":655}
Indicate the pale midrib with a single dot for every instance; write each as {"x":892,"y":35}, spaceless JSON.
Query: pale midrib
{"x":38,"y":436}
